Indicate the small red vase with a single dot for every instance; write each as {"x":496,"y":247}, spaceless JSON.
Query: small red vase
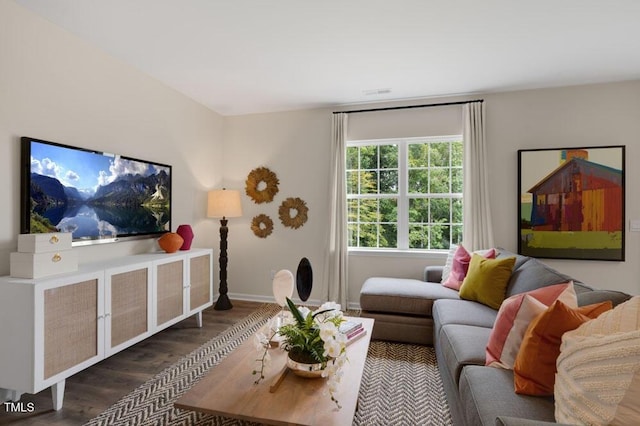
{"x":186,"y":233}
{"x":170,"y":242}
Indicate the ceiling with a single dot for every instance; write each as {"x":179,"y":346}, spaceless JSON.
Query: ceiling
{"x":251,"y":56}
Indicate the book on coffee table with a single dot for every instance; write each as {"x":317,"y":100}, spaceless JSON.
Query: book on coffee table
{"x":350,"y":326}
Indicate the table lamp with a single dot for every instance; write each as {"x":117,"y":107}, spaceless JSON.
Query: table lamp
{"x":223,"y":203}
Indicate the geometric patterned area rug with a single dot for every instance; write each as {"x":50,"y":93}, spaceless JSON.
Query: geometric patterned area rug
{"x":400,"y":385}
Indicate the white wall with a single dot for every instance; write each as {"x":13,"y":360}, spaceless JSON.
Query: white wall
{"x":604,"y":114}
{"x":295,"y":145}
{"x":55,"y":87}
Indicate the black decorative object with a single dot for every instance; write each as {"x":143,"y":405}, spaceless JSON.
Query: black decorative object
{"x":304,"y":279}
{"x":223,"y":203}
{"x":223,"y":302}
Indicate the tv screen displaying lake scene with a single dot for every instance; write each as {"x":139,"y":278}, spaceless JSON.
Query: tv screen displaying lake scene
{"x":97,"y":196}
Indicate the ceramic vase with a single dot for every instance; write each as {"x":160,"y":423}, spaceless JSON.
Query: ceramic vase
{"x":186,"y":233}
{"x":170,"y":242}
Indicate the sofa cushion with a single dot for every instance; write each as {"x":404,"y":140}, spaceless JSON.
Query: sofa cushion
{"x":514,"y":317}
{"x":462,"y":345}
{"x":520,"y":259}
{"x":446,"y":270}
{"x":464,"y":312}
{"x":402,"y":295}
{"x":487,"y":280}
{"x":535,"y":366}
{"x":597,"y":296}
{"x":401,"y":328}
{"x":534,"y":274}
{"x":486,"y":393}
{"x":460,"y":266}
{"x":598,"y":380}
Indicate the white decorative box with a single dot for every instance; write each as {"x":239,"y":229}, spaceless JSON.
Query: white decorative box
{"x":44,"y":243}
{"x":38,"y":265}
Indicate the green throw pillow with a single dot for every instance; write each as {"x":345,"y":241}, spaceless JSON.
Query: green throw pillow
{"x":487,"y":280}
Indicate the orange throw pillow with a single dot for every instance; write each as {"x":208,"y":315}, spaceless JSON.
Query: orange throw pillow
{"x":535,"y":366}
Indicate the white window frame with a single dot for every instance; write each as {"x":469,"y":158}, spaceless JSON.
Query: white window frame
{"x":403,"y":195}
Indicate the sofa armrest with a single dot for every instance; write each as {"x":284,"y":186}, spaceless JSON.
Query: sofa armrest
{"x":433,"y":274}
{"x":516,"y":421}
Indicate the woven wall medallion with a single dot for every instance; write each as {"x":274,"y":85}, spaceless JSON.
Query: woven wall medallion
{"x":262,"y":226}
{"x":293,"y":212}
{"x":261,"y":185}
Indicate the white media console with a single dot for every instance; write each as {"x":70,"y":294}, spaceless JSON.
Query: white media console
{"x":54,"y":327}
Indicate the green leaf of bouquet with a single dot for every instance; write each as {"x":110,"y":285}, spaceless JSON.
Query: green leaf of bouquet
{"x":296,"y":313}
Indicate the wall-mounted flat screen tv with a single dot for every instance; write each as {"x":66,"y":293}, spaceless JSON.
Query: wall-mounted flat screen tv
{"x":99,"y":197}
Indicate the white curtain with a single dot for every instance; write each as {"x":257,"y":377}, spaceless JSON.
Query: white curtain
{"x":337,"y":290}
{"x":478,"y":231}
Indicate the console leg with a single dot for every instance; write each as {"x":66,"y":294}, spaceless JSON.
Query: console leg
{"x":57,"y":394}
{"x":199,"y":319}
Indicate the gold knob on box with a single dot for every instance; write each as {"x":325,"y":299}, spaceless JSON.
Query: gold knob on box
{"x":54,"y":239}
{"x":56,"y":258}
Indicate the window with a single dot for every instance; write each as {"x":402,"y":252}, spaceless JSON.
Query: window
{"x":405,"y":193}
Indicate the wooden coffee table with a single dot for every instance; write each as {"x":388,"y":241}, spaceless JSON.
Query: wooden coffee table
{"x":229,"y":390}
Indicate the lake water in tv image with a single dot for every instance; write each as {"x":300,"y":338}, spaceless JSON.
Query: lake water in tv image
{"x":96,"y":196}
{"x":87,"y":222}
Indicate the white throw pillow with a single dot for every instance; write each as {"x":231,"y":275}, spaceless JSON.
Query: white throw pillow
{"x":447,"y":265}
{"x":598,"y":379}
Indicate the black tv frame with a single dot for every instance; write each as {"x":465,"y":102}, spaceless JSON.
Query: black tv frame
{"x":25,"y":192}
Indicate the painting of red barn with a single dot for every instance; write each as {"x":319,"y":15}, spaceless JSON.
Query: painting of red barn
{"x":571,"y":203}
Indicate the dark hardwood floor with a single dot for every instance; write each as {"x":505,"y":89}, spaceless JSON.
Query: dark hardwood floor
{"x":91,"y":391}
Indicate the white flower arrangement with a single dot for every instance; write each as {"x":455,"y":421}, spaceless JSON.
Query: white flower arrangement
{"x":309,"y":337}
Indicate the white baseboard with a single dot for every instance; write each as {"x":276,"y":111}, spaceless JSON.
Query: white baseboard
{"x":269,"y":299}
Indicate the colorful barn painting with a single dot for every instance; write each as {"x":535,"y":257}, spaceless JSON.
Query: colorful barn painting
{"x":576,"y":210}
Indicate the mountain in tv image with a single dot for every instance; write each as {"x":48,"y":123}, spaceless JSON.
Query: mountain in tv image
{"x":132,"y":204}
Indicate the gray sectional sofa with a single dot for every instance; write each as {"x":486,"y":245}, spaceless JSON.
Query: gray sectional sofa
{"x":425,"y":312}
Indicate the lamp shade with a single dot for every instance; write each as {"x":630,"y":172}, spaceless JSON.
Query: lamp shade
{"x":224,"y":203}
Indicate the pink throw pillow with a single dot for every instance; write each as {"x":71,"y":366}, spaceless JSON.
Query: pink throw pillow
{"x":515,"y":315}
{"x":460,"y":266}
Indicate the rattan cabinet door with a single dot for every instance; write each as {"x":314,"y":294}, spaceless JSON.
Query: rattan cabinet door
{"x":128,"y":306}
{"x":170,"y":283}
{"x":200,"y":276}
{"x":71,"y":326}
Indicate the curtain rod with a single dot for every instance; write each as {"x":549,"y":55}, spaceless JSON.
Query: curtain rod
{"x":408,"y":107}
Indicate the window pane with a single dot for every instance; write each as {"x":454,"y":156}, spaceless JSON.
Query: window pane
{"x":352,"y":182}
{"x":389,"y":210}
{"x":369,"y":157}
{"x":388,"y":156}
{"x":418,"y":181}
{"x":368,"y":182}
{"x":419,"y":236}
{"x":456,"y":154}
{"x":439,"y":238}
{"x":352,"y":210}
{"x":456,"y":234}
{"x":439,"y":210}
{"x":419,"y":155}
{"x":388,"y":235}
{"x":388,"y":181}
{"x":439,"y":181}
{"x":456,"y":181}
{"x":352,"y":158}
{"x":418,"y":210}
{"x":368,"y":235}
{"x":439,"y":154}
{"x":456,"y":210}
{"x":369,"y":210}
{"x":353,"y":235}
